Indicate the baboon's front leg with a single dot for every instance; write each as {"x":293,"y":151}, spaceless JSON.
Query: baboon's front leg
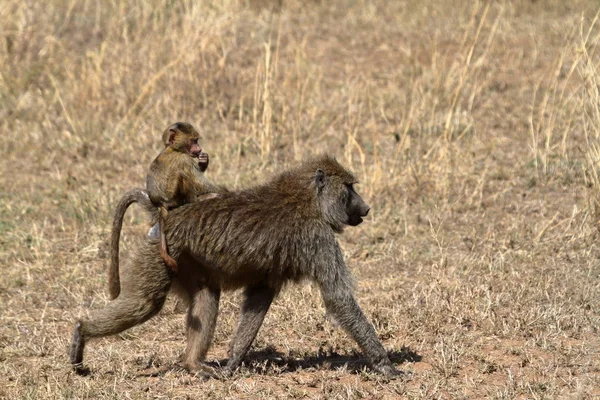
{"x":340,"y":302}
{"x":256,"y":304}
{"x":201,"y":321}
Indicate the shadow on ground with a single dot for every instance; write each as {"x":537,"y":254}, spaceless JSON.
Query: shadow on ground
{"x":269,"y":360}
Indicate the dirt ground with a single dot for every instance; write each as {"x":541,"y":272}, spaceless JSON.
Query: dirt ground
{"x":474,"y":128}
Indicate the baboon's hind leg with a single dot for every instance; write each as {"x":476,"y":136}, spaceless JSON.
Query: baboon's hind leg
{"x":76,"y":348}
{"x":119,"y":315}
{"x":256,"y":304}
{"x":140,"y":299}
{"x":201,"y":321}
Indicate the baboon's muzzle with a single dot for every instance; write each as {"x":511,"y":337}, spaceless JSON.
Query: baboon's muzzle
{"x":355,"y":217}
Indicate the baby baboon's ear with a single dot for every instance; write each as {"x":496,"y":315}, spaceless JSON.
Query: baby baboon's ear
{"x":320,"y":179}
{"x":172,"y":135}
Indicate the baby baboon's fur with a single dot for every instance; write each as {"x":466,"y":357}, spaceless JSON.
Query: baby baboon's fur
{"x":257,"y":239}
{"x":175,"y":177}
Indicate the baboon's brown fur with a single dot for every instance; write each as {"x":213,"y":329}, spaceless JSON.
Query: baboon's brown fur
{"x":139,"y":196}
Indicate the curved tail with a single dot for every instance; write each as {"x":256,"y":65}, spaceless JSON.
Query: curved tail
{"x":139,"y":196}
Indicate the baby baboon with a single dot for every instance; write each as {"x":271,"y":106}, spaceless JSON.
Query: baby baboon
{"x":257,"y":239}
{"x":175,"y":177}
{"x":163,"y":172}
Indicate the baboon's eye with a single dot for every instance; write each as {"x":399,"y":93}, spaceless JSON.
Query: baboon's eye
{"x":346,"y":194}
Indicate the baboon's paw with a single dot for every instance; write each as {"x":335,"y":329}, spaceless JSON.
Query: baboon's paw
{"x":390,"y":372}
{"x":80,"y":370}
{"x":203,"y":371}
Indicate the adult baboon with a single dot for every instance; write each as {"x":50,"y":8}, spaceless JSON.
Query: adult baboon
{"x":257,"y":239}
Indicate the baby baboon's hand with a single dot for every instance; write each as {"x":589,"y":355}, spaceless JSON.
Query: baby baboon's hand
{"x":203,"y":161}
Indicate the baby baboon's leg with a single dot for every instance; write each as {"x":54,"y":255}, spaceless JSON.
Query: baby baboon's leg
{"x":164,"y":250}
{"x":256,"y":304}
{"x":201,"y":321}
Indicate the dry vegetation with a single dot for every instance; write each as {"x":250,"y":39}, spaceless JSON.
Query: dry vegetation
{"x":475,"y":131}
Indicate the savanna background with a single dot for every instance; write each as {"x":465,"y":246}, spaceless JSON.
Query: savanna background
{"x":474,"y":128}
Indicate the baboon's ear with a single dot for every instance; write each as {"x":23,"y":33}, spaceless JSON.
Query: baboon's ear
{"x":172,"y":134}
{"x":320,"y":179}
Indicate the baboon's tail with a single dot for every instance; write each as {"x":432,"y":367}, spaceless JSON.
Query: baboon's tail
{"x":139,"y":196}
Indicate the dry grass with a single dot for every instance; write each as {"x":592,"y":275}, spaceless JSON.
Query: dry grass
{"x":473,"y":127}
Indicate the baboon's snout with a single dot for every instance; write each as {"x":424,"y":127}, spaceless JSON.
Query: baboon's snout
{"x":357,"y":208}
{"x":364,"y":210}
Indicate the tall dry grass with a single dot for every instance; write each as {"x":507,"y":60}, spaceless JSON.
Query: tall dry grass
{"x":472,"y":126}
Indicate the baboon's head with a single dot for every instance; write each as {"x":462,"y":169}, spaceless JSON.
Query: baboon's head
{"x":183,"y":137}
{"x":340,"y":203}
